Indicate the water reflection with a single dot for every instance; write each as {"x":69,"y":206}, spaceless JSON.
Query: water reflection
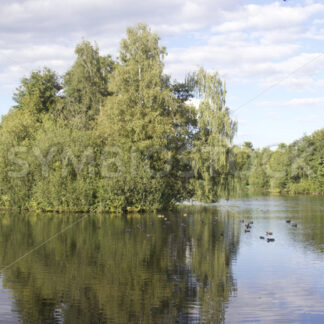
{"x":118,"y":269}
{"x":202,"y":268}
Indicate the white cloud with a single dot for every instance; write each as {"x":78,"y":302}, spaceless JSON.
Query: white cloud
{"x":274,"y":16}
{"x":295,"y":102}
{"x":34,"y":33}
{"x":254,"y":46}
{"x":260,"y":42}
{"x":252,"y":42}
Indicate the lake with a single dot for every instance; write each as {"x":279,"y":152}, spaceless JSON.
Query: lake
{"x":199,"y":268}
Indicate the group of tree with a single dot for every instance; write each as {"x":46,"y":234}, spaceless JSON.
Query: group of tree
{"x":115,"y":133}
{"x":297,"y":168}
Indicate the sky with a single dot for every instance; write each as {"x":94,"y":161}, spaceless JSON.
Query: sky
{"x":270,"y":53}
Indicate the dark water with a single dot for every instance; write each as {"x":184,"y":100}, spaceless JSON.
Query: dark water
{"x":202,"y":268}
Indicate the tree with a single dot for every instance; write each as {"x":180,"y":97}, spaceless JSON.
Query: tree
{"x":141,"y":120}
{"x":38,"y":94}
{"x":86,"y":85}
{"x":211,"y":148}
{"x":258,"y":177}
{"x":185,"y":90}
{"x":243,"y":159}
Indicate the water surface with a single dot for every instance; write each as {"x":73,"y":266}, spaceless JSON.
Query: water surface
{"x":202,"y":268}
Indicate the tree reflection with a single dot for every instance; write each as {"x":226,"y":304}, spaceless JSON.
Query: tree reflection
{"x":97,"y":272}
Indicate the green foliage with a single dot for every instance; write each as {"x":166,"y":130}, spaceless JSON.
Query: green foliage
{"x":296,"y":168}
{"x":115,"y":135}
{"x":85,"y":85}
{"x":145,"y":124}
{"x":185,"y":90}
{"x":258,"y":178}
{"x":39,"y":93}
{"x":119,"y":135}
{"x":277,"y":168}
{"x":63,"y":168}
{"x":212,"y":144}
{"x":243,"y":158}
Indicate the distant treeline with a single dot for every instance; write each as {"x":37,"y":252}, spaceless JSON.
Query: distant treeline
{"x":297,"y":168}
{"x":119,"y":134}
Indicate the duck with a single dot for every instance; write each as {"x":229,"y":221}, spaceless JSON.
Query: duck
{"x":140,"y":227}
{"x":247,"y":231}
{"x":269,"y":233}
{"x":294,"y":225}
{"x":185,"y":215}
{"x":288,"y":221}
{"x":270,"y":239}
{"x":149,"y":235}
{"x":261,"y":237}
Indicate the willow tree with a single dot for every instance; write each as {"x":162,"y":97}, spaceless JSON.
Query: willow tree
{"x":137,"y":125}
{"x":212,"y":146}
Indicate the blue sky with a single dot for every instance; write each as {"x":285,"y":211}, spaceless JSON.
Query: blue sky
{"x":268,"y":47}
